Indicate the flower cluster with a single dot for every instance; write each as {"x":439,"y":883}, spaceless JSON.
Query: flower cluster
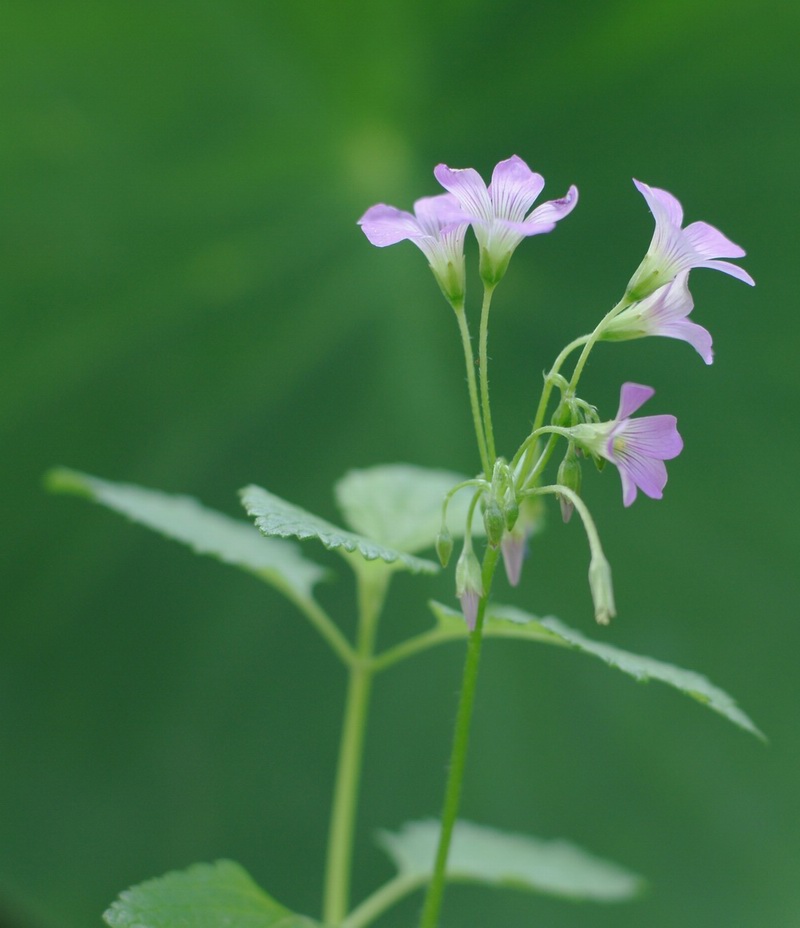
{"x":656,"y":301}
{"x":499,"y":214}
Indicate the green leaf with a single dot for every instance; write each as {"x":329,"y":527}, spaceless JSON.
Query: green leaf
{"x":205,"y":531}
{"x":400,"y":505}
{"x":275,"y":516}
{"x":203,"y":896}
{"x":485,"y":855}
{"x":509,"y":622}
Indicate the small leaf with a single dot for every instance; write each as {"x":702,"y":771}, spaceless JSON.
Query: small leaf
{"x":485,"y":855}
{"x":203,"y":896}
{"x":275,"y":516}
{"x":400,"y":505}
{"x":205,"y":531}
{"x":509,"y":622}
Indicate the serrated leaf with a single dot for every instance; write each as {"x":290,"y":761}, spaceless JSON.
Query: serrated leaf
{"x":486,"y":855}
{"x":203,"y":896}
{"x":509,"y":622}
{"x":205,"y":531}
{"x":274,"y":516}
{"x":400,"y":505}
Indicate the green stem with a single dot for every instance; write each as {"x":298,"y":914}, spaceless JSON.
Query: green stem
{"x":483,"y":361}
{"x":550,"y":379}
{"x":414,"y":645}
{"x":372,"y":586}
{"x":458,"y":756}
{"x":466,"y":343}
{"x":592,"y":535}
{"x":323,"y":623}
{"x":592,"y":339}
{"x":382,"y":899}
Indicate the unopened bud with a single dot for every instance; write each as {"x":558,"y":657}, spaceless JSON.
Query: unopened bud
{"x":563,"y":416}
{"x":444,"y":547}
{"x":494,"y":521}
{"x":602,"y":589}
{"x":469,"y":585}
{"x":514,"y":548}
{"x":511,"y":511}
{"x":569,"y":475}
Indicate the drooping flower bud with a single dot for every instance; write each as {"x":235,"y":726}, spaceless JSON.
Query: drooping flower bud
{"x":569,"y":475}
{"x":444,"y":546}
{"x":469,"y":585}
{"x":515,"y":541}
{"x":511,"y":510}
{"x":494,"y":521}
{"x":602,"y":589}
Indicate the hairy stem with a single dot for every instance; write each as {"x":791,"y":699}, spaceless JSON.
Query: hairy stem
{"x":483,"y":360}
{"x":466,"y":343}
{"x":458,"y":756}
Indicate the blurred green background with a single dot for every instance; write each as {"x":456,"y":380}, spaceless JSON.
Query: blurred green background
{"x":189,"y":304}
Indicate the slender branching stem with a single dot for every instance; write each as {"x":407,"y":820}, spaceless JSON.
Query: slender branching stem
{"x":551,"y":379}
{"x":382,"y":899}
{"x":372,"y":583}
{"x":472,"y":386}
{"x":589,"y":526}
{"x":592,"y":339}
{"x":458,"y":756}
{"x":483,"y":361}
{"x":325,"y":625}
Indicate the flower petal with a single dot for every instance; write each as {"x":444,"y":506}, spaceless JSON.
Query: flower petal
{"x":651,"y":436}
{"x":648,"y":474}
{"x":386,"y":225}
{"x":514,"y":189}
{"x":663,"y":205}
{"x":435,"y":214}
{"x":631,"y":397}
{"x":554,"y":210}
{"x":710,"y":242}
{"x":468,"y":188}
{"x":733,"y":269}
{"x":698,"y":337}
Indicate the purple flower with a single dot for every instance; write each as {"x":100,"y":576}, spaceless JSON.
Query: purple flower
{"x":674,"y":249}
{"x":437,"y":227}
{"x":664,"y":312}
{"x":637,"y":447}
{"x":499,"y":212}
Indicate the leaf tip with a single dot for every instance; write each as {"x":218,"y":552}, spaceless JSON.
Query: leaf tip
{"x":64,"y":480}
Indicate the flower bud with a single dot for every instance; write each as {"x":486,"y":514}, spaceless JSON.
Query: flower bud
{"x":444,"y":546}
{"x":495,"y":522}
{"x":469,"y":585}
{"x":569,"y":475}
{"x":602,"y":589}
{"x":564,"y":415}
{"x":511,"y":511}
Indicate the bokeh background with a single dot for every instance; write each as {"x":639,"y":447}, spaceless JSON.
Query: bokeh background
{"x":188,"y":304}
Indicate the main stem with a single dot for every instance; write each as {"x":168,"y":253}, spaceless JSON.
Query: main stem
{"x":372,"y":584}
{"x":458,"y":755}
